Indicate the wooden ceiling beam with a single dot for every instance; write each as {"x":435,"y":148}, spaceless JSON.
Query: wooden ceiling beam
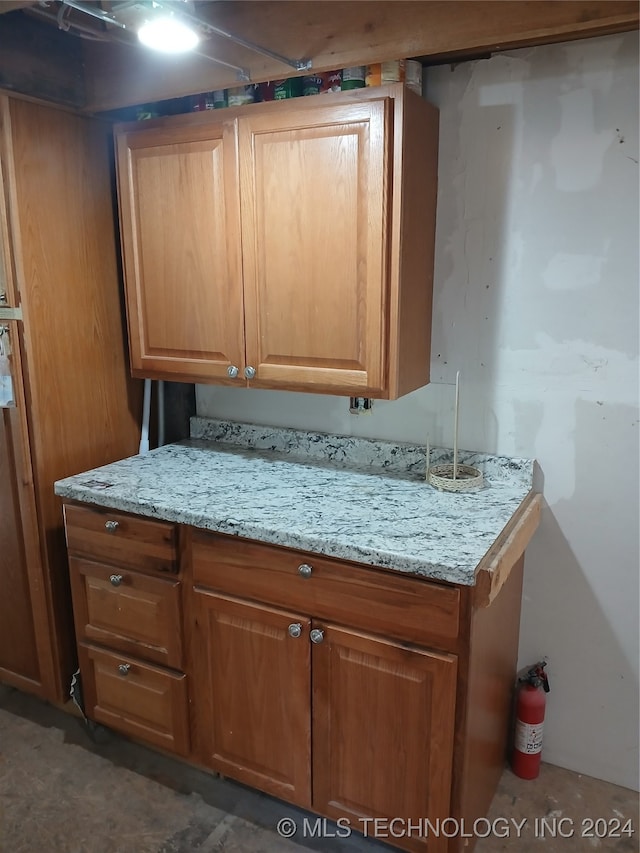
{"x":38,"y":60}
{"x":341,"y":34}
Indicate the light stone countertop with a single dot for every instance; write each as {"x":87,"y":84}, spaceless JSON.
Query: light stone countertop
{"x":356,"y":499}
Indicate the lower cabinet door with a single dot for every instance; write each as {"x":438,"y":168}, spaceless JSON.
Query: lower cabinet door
{"x":383,"y":724}
{"x":135,"y":698}
{"x":252,"y":695}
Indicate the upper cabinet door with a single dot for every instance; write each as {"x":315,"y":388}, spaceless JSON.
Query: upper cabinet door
{"x":181,"y":243}
{"x":314,"y":195}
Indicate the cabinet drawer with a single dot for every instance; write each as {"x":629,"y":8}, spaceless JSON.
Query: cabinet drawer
{"x":135,"y":698}
{"x":134,"y":613}
{"x":116,"y":537}
{"x":371,"y":599}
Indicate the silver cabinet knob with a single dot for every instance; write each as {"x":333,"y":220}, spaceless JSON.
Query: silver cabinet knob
{"x":295,"y":630}
{"x":3,"y":298}
{"x":124,"y":668}
{"x":316,"y":636}
{"x":249,"y":372}
{"x":305,"y":570}
{"x":232,"y":371}
{"x":111,"y":526}
{"x":115,"y":580}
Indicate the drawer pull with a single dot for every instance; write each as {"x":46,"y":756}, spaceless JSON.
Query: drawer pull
{"x":316,"y":636}
{"x":115,"y":580}
{"x":305,"y":570}
{"x":111,"y":526}
{"x":124,"y":668}
{"x":295,"y":630}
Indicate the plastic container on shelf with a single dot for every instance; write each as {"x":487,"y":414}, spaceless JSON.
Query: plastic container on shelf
{"x":311,"y":84}
{"x":407,"y":71}
{"x":265,"y":91}
{"x":220,"y":99}
{"x":373,"y":75}
{"x":413,"y":75}
{"x":289,"y":88}
{"x":241,"y":95}
{"x":353,"y":78}
{"x":201,"y":102}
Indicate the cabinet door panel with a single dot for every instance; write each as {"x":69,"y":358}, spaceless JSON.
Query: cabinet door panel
{"x":383,"y":729}
{"x":144,"y":701}
{"x":18,"y":651}
{"x":140,"y":614}
{"x":181,"y":243}
{"x":253,"y":692}
{"x":314,"y":220}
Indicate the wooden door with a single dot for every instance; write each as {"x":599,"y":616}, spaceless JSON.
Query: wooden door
{"x":383,"y":722}
{"x":314,"y":193}
{"x":25,"y":653}
{"x":18,"y":652}
{"x":181,"y":244}
{"x":252,"y":694}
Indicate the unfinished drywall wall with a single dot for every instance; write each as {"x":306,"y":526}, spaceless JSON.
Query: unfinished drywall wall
{"x":536,"y":303}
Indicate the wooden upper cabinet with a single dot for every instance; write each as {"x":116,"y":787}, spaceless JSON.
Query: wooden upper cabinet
{"x":181,"y":247}
{"x":315,"y":240}
{"x":305,"y":260}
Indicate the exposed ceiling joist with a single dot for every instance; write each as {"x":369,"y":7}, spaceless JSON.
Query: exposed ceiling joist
{"x":337,"y":34}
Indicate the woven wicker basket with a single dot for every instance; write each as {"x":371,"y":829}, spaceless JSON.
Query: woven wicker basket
{"x":467,"y":478}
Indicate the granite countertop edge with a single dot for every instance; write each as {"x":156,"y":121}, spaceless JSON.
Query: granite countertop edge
{"x":382,"y":515}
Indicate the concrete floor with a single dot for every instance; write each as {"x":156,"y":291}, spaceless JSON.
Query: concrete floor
{"x":62,"y":793}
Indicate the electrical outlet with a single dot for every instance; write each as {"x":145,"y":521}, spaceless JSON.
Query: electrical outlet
{"x":360,"y":405}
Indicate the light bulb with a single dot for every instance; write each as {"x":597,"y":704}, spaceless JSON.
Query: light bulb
{"x":168,"y":34}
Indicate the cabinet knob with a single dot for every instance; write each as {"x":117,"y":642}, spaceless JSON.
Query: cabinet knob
{"x":115,"y":580}
{"x":305,"y":570}
{"x":232,"y":371}
{"x":111,"y":526}
{"x":124,"y":668}
{"x":316,"y":636}
{"x":3,"y":298}
{"x":249,"y":372}
{"x":295,"y":630}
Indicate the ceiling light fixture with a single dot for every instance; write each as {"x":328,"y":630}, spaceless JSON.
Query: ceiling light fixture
{"x":168,"y":34}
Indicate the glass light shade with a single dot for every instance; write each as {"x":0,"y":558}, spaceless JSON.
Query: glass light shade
{"x":168,"y":34}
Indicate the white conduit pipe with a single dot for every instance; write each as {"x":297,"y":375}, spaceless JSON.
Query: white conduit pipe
{"x":146,"y":412}
{"x":161,"y":428}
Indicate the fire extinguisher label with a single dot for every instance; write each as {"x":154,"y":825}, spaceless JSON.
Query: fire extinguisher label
{"x":528,"y":737}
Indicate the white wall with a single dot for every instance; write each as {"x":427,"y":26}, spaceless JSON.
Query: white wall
{"x":536,"y":302}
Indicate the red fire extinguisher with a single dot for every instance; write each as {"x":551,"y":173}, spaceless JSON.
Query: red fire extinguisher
{"x":530,"y":705}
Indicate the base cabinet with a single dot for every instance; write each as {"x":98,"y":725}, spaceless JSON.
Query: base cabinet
{"x":347,"y":690}
{"x":383,"y":725}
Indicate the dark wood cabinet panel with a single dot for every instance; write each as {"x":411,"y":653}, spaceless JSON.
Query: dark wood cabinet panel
{"x":386,"y":603}
{"x":136,"y":698}
{"x":119,"y":538}
{"x":129,"y":611}
{"x":18,"y":650}
{"x":252,"y":694}
{"x":383,"y":727}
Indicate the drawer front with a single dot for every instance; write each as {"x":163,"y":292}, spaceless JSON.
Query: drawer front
{"x":374,"y":600}
{"x":135,"y":698}
{"x":129,"y":611}
{"x":116,"y":537}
